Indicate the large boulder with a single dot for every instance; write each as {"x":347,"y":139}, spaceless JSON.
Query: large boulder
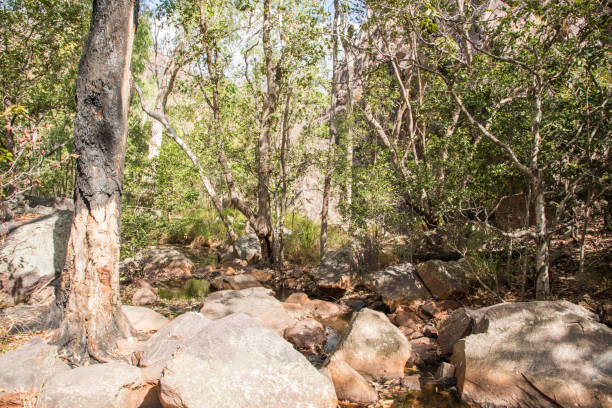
{"x":445,"y":280}
{"x":109,"y":385}
{"x":237,"y":362}
{"x":34,"y":253}
{"x":349,"y":384}
{"x":339,"y":270}
{"x":535,"y":354}
{"x":27,"y":368}
{"x":373,"y":346}
{"x":398,"y":285}
{"x":248,"y":246}
{"x":144,"y":319}
{"x":161,"y":264}
{"x":257,"y":303}
{"x":161,"y":346}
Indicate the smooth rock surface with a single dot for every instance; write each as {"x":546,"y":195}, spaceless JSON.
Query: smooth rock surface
{"x":34,"y":253}
{"x":28,"y":367}
{"x":445,"y":280}
{"x":373,"y":346}
{"x":109,"y":385}
{"x":237,"y":362}
{"x":349,"y":384}
{"x":144,"y":319}
{"x":257,"y":303}
{"x":398,"y":285}
{"x":535,"y":354}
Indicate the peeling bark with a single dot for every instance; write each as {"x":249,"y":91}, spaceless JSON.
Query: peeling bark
{"x":89,"y":293}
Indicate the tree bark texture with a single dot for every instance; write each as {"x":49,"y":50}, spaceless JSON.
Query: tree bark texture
{"x":89,"y":294}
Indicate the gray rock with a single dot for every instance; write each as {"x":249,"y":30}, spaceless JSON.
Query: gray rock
{"x":257,"y":303}
{"x":162,"y":345}
{"x":34,"y":253}
{"x":445,"y":371}
{"x":339,"y":270}
{"x":237,"y":362}
{"x":412,"y":382}
{"x":398,"y":285}
{"x":42,"y":314}
{"x":373,"y":346}
{"x":249,"y":246}
{"x":109,"y":385}
{"x":145,"y":295}
{"x":445,"y":280}
{"x":535,"y":354}
{"x":144,"y":319}
{"x":28,"y":367}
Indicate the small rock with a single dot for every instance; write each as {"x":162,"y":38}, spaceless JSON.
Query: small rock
{"x":430,"y":330}
{"x":145,"y":295}
{"x":445,"y":372}
{"x":144,"y":319}
{"x":236,"y":282}
{"x":404,"y":318}
{"x":261,"y":275}
{"x":374,"y":347}
{"x":298,"y":297}
{"x":355,"y":303}
{"x":306,"y":334}
{"x":424,"y":352}
{"x":412,"y":382}
{"x":349,"y":384}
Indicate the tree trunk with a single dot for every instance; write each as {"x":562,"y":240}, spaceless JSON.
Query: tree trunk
{"x":542,"y":247}
{"x":157,"y":130}
{"x":93,"y":321}
{"x":332,"y":133}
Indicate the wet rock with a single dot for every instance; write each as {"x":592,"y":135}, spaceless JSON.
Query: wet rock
{"x":398,"y":285}
{"x":373,"y":346}
{"x":412,"y":382}
{"x":33,"y":254}
{"x":349,"y":384}
{"x":544,"y":354}
{"x":109,"y":385}
{"x":235,"y":282}
{"x":144,"y":319}
{"x":163,"y":264}
{"x":339,"y":270}
{"x":257,"y":303}
{"x":29,"y":367}
{"x":145,"y":295}
{"x":445,"y":280}
{"x":306,"y":334}
{"x":237,"y":362}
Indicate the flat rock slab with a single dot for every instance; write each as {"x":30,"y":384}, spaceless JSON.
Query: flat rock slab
{"x":398,"y":285}
{"x":144,"y":319}
{"x":28,"y":367}
{"x":109,"y":385}
{"x":257,"y":303}
{"x":237,"y":362}
{"x":373,"y":346}
{"x":535,"y":354}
